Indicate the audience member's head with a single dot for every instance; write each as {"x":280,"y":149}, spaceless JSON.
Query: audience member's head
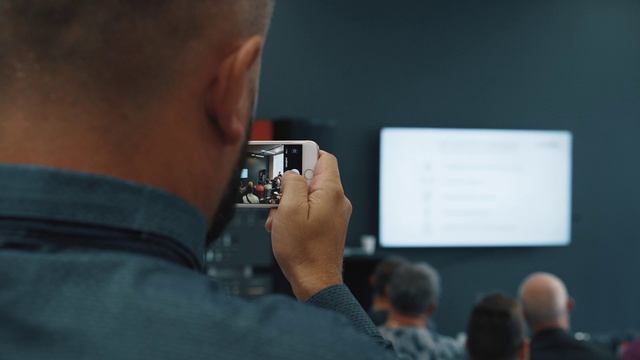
{"x":382,"y":275}
{"x":414,"y":290}
{"x":496,"y":330}
{"x":545,"y":302}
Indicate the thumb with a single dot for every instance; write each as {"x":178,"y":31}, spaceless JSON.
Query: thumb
{"x":295,"y":191}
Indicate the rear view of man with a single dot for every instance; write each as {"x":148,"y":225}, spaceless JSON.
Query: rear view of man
{"x":414,"y":290}
{"x":496,"y":330}
{"x":547,"y":307}
{"x":121,"y":129}
{"x":381,"y":305}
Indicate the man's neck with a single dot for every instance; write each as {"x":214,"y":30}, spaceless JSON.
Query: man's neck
{"x":396,"y":320}
{"x":380,"y":304}
{"x":85,"y":143}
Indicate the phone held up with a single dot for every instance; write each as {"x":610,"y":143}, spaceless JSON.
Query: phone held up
{"x":260,"y":184}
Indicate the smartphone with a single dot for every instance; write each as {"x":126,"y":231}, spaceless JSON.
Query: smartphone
{"x":260,"y":184}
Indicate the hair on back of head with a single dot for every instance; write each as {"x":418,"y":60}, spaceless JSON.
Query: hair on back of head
{"x":414,"y":288}
{"x":382,"y":273}
{"x":496,"y":329}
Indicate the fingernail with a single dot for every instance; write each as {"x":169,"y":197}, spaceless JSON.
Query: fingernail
{"x":295,"y":171}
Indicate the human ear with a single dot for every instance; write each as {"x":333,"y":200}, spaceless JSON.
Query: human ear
{"x":230,"y":98}
{"x":570,"y":304}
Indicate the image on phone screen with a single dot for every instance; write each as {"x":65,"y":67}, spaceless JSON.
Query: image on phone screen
{"x":261,"y":177}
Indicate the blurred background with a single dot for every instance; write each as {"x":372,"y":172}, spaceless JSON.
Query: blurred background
{"x":338,"y":71}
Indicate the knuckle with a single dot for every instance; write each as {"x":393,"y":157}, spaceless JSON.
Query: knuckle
{"x":290,"y":177}
{"x":332,"y":159}
{"x":348,"y":206}
{"x":337,"y":192}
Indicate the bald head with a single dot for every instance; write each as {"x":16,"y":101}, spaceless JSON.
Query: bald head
{"x":160,"y":92}
{"x":545,"y":302}
{"x":115,"y":49}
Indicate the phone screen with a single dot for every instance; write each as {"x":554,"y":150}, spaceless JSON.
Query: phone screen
{"x":261,"y":177}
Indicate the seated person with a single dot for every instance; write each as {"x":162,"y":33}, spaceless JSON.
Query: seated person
{"x":267,"y":189}
{"x":414,"y":290}
{"x":379,"y":282}
{"x":242,"y":189}
{"x":547,"y":306}
{"x":496,"y":330}
{"x":260,"y":190}
{"x":249,"y":197}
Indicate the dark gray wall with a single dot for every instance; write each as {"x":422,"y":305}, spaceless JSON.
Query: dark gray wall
{"x":555,"y":64}
{"x":254,"y":165}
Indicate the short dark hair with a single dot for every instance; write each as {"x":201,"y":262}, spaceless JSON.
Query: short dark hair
{"x":382,"y":274}
{"x":123,"y":48}
{"x":414,"y":288}
{"x":496,"y":329}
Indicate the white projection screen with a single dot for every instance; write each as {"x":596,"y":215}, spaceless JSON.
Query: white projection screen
{"x":474,"y":188}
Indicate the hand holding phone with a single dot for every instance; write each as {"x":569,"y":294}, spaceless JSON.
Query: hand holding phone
{"x":309,"y":229}
{"x":260,"y":184}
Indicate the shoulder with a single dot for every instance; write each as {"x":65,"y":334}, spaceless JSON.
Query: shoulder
{"x":105,"y":306}
{"x":191,"y":310}
{"x":448,"y":347}
{"x":420,"y":342}
{"x":558,"y":345}
{"x":407,"y":341}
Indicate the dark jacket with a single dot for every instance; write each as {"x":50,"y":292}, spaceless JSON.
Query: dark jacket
{"x":98,"y":268}
{"x":557,"y":344}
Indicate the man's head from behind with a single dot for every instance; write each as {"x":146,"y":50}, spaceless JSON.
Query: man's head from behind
{"x":414,"y":290}
{"x":158,"y":92}
{"x":496,"y":330}
{"x":545,"y":301}
{"x":382,"y":275}
{"x":129,"y":51}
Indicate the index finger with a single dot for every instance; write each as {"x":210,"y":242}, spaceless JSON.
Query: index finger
{"x":326,"y":170}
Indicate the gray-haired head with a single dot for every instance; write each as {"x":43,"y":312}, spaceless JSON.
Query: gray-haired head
{"x":545,"y":301}
{"x":414,"y":289}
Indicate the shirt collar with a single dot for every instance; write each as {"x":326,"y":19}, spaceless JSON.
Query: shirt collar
{"x":35,"y":192}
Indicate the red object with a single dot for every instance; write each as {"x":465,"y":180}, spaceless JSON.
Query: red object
{"x":262,"y":130}
{"x":633,"y":351}
{"x":260,"y":190}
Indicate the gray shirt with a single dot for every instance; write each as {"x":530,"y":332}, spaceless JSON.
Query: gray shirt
{"x":98,"y":268}
{"x":423,"y":344}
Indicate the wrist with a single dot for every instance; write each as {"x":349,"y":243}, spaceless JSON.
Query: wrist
{"x":305,"y":288}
